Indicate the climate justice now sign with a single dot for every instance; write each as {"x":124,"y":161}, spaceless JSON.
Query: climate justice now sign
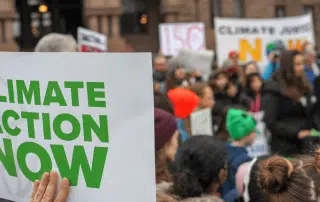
{"x":250,"y":37}
{"x":58,"y":114}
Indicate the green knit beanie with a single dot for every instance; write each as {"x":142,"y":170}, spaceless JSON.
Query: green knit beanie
{"x":239,"y":123}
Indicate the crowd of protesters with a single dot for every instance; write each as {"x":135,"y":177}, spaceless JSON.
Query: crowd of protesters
{"x":205,"y":168}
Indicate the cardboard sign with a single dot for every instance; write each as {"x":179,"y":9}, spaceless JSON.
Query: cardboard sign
{"x":58,"y":114}
{"x":250,"y":37}
{"x":177,"y":36}
{"x":90,"y":41}
{"x":260,"y":145}
{"x":195,"y":60}
{"x":201,"y":122}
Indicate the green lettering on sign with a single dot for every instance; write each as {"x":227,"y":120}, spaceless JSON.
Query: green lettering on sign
{"x":30,"y":116}
{"x":28,"y":94}
{"x":93,"y":94}
{"x":54,"y":94}
{"x":7,"y":158}
{"x":89,"y":125}
{"x":92,"y":176}
{"x":74,"y":87}
{"x":58,"y":129}
{"x":5,"y":122}
{"x":33,"y":148}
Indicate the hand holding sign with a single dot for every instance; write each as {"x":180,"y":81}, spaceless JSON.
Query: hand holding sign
{"x":46,"y":189}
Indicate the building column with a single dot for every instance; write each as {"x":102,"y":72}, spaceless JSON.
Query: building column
{"x":7,"y":14}
{"x":170,"y":10}
{"x":104,"y":16}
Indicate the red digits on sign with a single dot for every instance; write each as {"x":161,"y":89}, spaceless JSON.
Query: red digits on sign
{"x":177,"y":36}
{"x":190,"y":30}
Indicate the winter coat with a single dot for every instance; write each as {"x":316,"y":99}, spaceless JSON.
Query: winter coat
{"x":236,"y":157}
{"x":285,"y":118}
{"x":167,"y":188}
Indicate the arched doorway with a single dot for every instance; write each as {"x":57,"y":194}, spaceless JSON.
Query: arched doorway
{"x":36,"y":18}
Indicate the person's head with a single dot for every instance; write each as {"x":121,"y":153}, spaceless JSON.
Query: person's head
{"x":166,"y":142}
{"x":254,"y":82}
{"x":234,"y":58}
{"x":291,"y":74}
{"x":250,"y":68}
{"x":292,"y":64}
{"x":176,"y":78}
{"x":232,"y":90}
{"x":160,"y":63}
{"x":241,"y":126}
{"x":205,"y":93}
{"x":218,"y":81}
{"x":292,"y":180}
{"x":161,"y":101}
{"x":56,"y":43}
{"x":309,"y":56}
{"x":201,"y":167}
{"x":222,"y":133}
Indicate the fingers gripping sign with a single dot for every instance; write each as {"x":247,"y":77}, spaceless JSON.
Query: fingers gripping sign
{"x":45,"y":190}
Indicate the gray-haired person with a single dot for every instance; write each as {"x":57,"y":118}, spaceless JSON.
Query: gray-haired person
{"x":55,"y":42}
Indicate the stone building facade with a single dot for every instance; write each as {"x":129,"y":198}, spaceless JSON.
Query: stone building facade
{"x":119,"y":19}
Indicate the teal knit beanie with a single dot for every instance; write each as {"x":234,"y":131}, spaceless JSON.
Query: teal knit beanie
{"x":239,"y":123}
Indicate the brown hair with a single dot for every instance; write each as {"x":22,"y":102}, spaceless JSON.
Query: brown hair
{"x":172,"y":82}
{"x":243,"y":76}
{"x":162,"y":171}
{"x":293,"y":86}
{"x":198,"y":88}
{"x":212,"y":80}
{"x":161,"y":101}
{"x":294,"y":180}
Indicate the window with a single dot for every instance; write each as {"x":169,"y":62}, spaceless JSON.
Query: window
{"x":134,"y":19}
{"x":215,"y":9}
{"x":280,"y":11}
{"x":239,"y":8}
{"x":307,"y":9}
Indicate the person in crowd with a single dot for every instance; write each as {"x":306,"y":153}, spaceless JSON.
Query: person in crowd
{"x":254,"y":91}
{"x":273,"y":65}
{"x":218,"y":82}
{"x":249,"y":68}
{"x":195,"y":77}
{"x":160,"y":68}
{"x":55,"y":42}
{"x":161,"y":101}
{"x":201,"y":168}
{"x":311,"y":68}
{"x":166,"y":144}
{"x":176,"y":78}
{"x":205,"y":94}
{"x":46,"y":189}
{"x":293,"y":180}
{"x":221,"y":131}
{"x":232,"y":66}
{"x":241,"y":128}
{"x":287,"y":98}
{"x":184,"y":102}
{"x":246,"y":181}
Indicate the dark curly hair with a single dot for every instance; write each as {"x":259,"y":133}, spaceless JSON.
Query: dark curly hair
{"x":198,"y":164}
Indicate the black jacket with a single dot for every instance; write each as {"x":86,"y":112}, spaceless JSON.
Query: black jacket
{"x":285,"y":117}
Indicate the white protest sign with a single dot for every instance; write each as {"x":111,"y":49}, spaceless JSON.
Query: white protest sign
{"x":197,"y":60}
{"x":90,"y":41}
{"x":58,"y":114}
{"x":260,"y":145}
{"x":250,"y":37}
{"x":201,"y":122}
{"x":177,"y":36}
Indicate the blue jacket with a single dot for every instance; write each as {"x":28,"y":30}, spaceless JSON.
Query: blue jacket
{"x":236,"y":157}
{"x":310,"y":74}
{"x":183,"y":133}
{"x":269,"y":70}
